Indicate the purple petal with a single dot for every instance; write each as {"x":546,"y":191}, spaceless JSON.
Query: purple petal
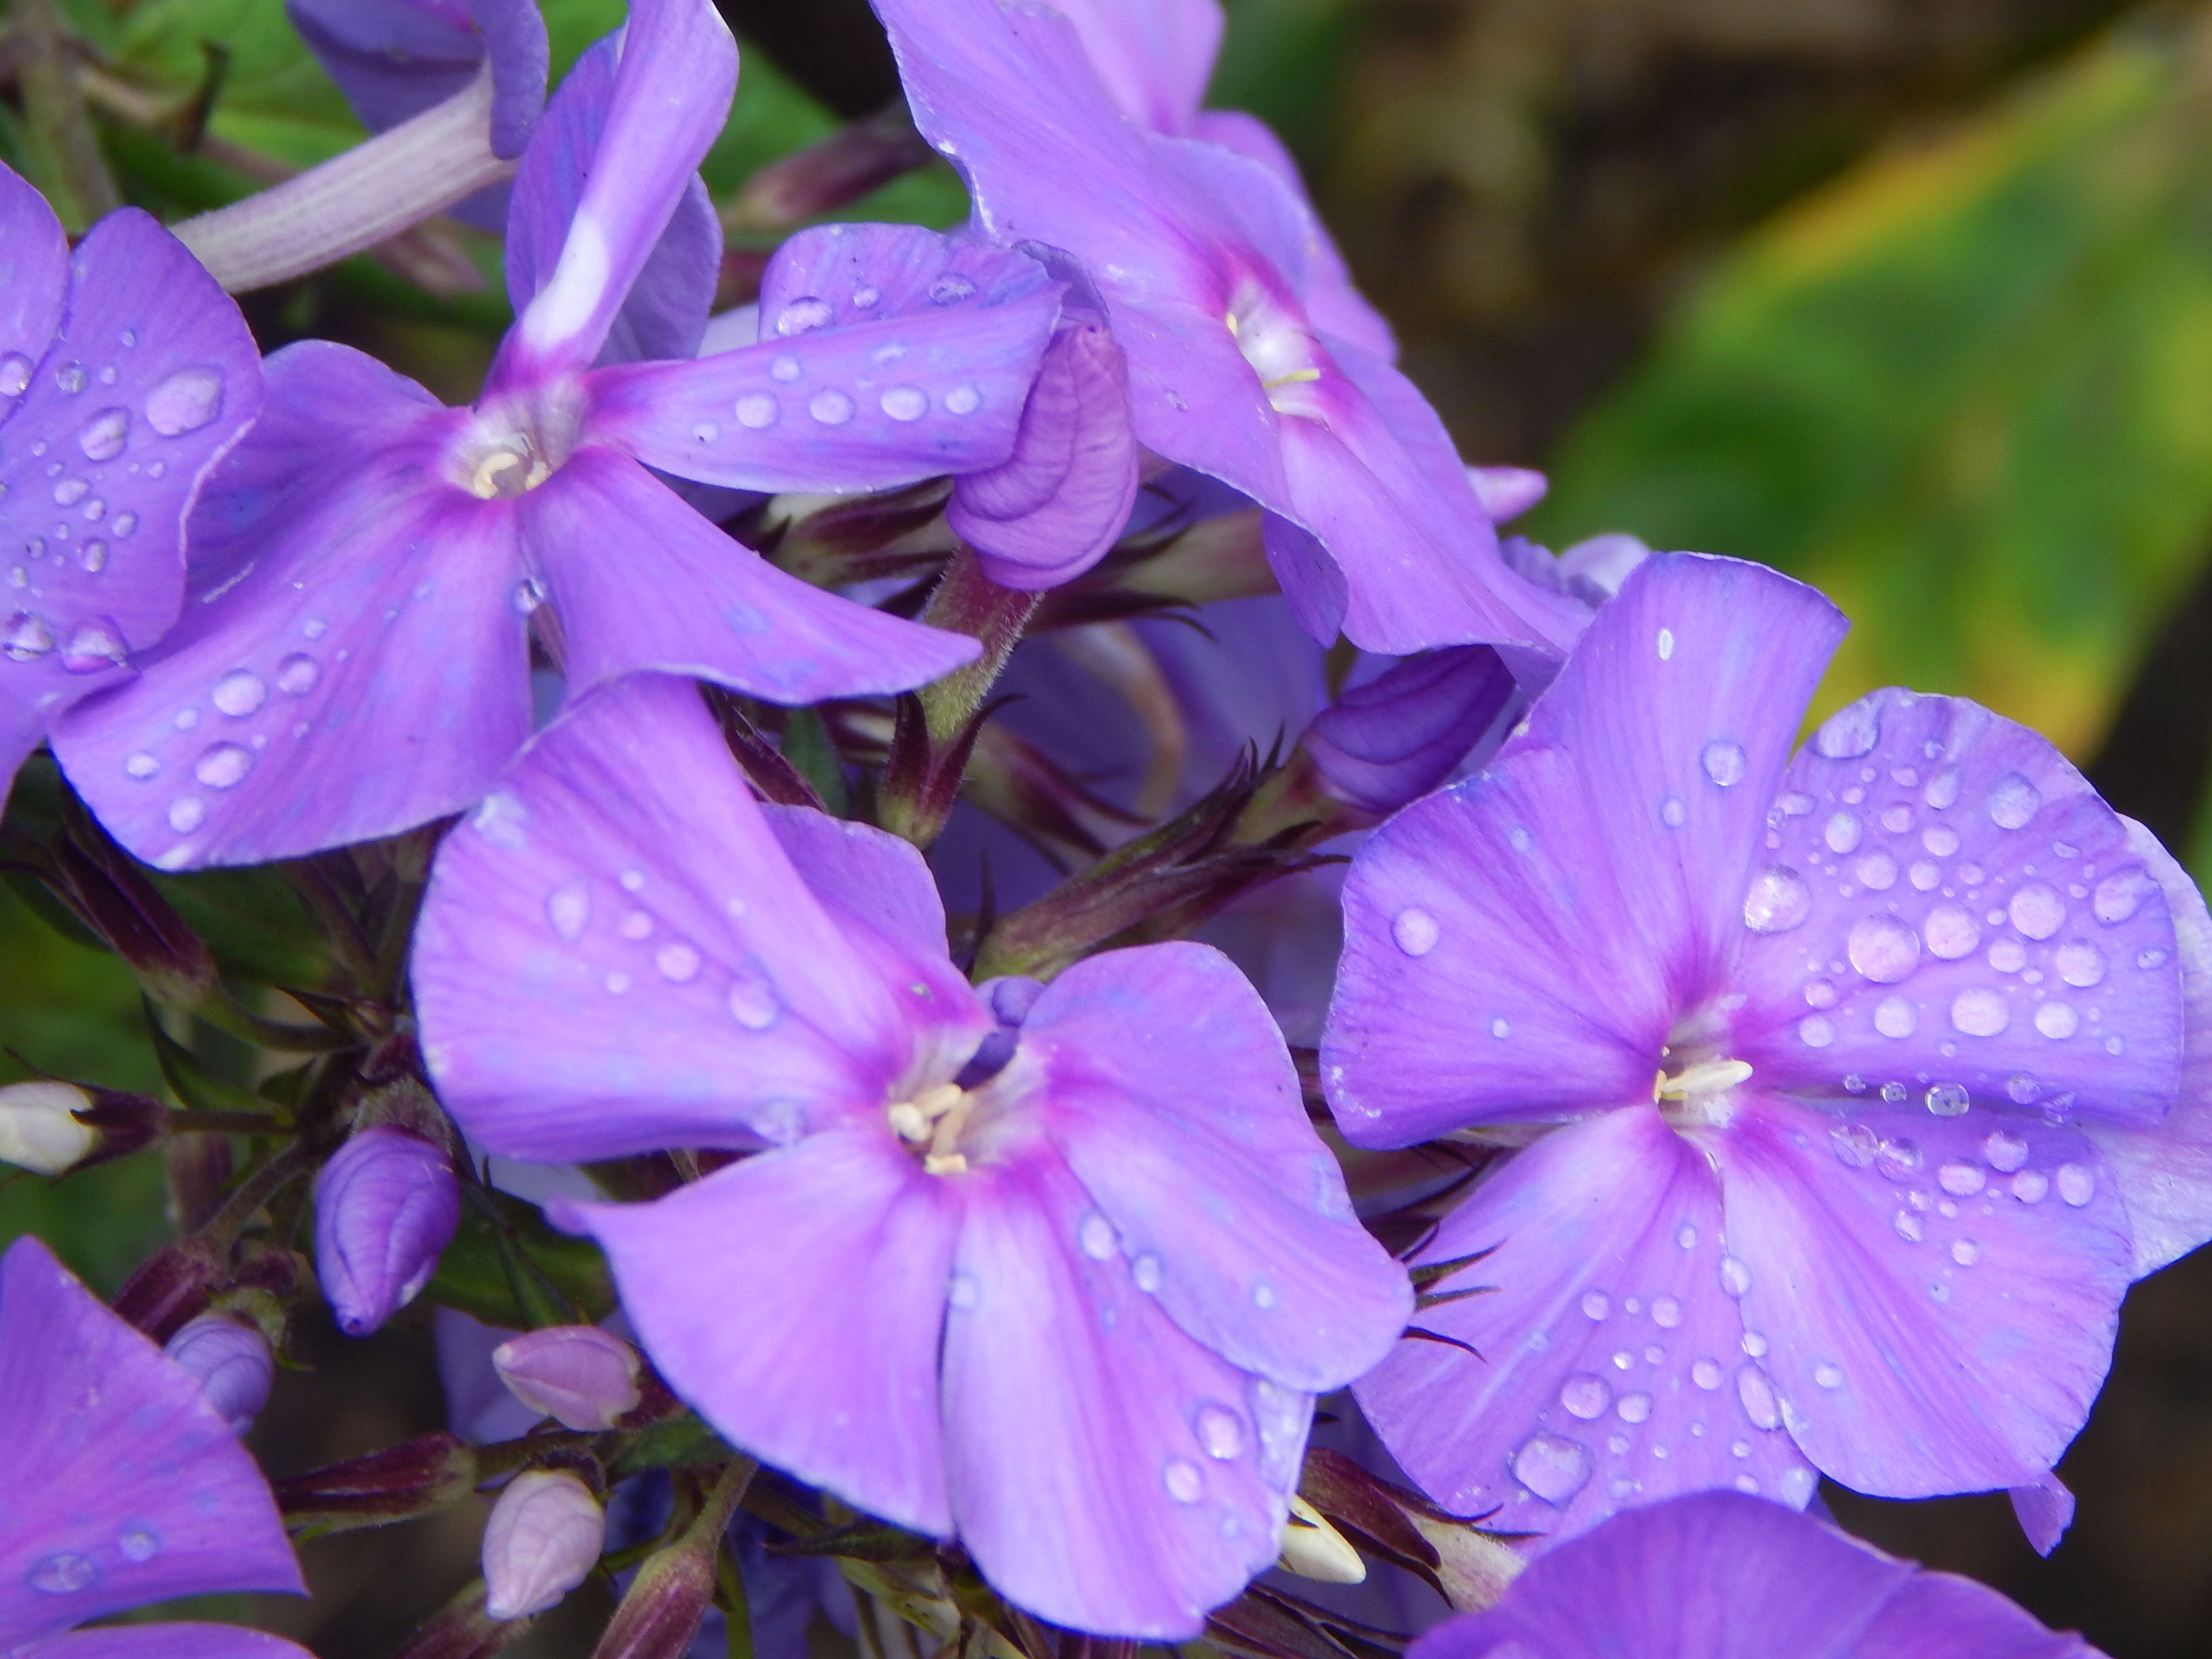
{"x":1108,"y":1473}
{"x":2163,"y":1172}
{"x":1062,"y":500}
{"x":1963,"y":895}
{"x":1154,"y":56}
{"x":1716,"y":1576}
{"x":515,"y":39}
{"x":868,"y":404}
{"x":2043,"y":1510}
{"x":290,"y":710}
{"x":166,"y":1641}
{"x":1401,"y":734}
{"x":864,"y":875}
{"x":1940,"y":1615}
{"x":393,"y":58}
{"x":1507,"y":492}
{"x":665,"y":315}
{"x":670,"y":96}
{"x":615,"y":955}
{"x":152,"y":378}
{"x":1937,"y":1295}
{"x":34,"y":279}
{"x":837,"y":275}
{"x":1522,"y":943}
{"x":1174,"y":1102}
{"x":121,"y":1485}
{"x":694,"y":601}
{"x":1613,"y":1369}
{"x":837,"y":1251}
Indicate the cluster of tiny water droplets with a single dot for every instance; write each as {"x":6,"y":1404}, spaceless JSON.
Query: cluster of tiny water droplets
{"x":1899,"y":838}
{"x":88,"y":485}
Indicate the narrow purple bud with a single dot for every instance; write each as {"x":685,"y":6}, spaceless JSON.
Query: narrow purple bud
{"x":828,"y":175}
{"x":231,"y":1362}
{"x":544,"y":1537}
{"x":1399,"y":736}
{"x":1507,"y":492}
{"x":385,"y":1207}
{"x":39,"y":1130}
{"x":429,"y":1472}
{"x":578,"y":1374}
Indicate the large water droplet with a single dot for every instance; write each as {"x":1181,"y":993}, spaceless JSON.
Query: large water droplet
{"x":1553,"y":1468}
{"x":95,"y":646}
{"x":1757,"y":1395}
{"x":1586,"y":1396}
{"x":1942,"y":790}
{"x":677,"y":962}
{"x":186,"y":814}
{"x":1816,"y":1031}
{"x":70,"y":491}
{"x":186,"y":402}
{"x":2008,"y":955}
{"x":2006,"y":1152}
{"x":950,"y":288}
{"x":103,"y":436}
{"x":1849,"y":733}
{"x":238,"y":692}
{"x":2057,"y":1021}
{"x":1909,"y":1226}
{"x":61,"y":1573}
{"x":905,"y":403}
{"x":1876,"y":871}
{"x":1596,"y":1304}
{"x":569,"y":907}
{"x":2120,"y":894}
{"x":1146,"y":1270}
{"x":1666,"y":643}
{"x":1841,"y":832}
{"x":1828,"y":1375}
{"x":2013,"y":801}
{"x":26,"y":638}
{"x":2036,"y":910}
{"x":1855,"y":1145}
{"x":830,"y":406}
{"x":1778,"y":899}
{"x":15,"y":374}
{"x":1634,"y":1409}
{"x":1221,"y":1431}
{"x":142,"y":765}
{"x":803,"y":315}
{"x":1948,"y":1099}
{"x":2080,"y":964}
{"x":756,"y":411}
{"x":2029,"y":1186}
{"x":1939,"y":841}
{"x":1894,"y":1017}
{"x":297,"y":674}
{"x":1961,"y":1179}
{"x":1735,"y":1278}
{"x":1666,"y":1312}
{"x":1097,"y":1237}
{"x":1980,"y":1011}
{"x":138,"y":1543}
{"x":1706,"y":1374}
{"x":1672,"y":813}
{"x":2078,"y":1183}
{"x":1883,"y":950}
{"x":1951,"y":932}
{"x":1900,"y":1158}
{"x":1415,"y":931}
{"x":222,"y":765}
{"x":753,"y":1001}
{"x":1724,"y":762}
{"x":1965,"y":1252}
{"x":963,"y":400}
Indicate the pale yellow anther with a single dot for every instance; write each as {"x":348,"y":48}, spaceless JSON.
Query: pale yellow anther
{"x":908,"y":1121}
{"x":1707,"y":1077}
{"x":936,"y":1101}
{"x":1294,"y":377}
{"x":945,"y":1163}
{"x":504,"y":473}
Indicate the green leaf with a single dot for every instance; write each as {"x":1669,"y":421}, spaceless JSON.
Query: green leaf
{"x":681,"y":1443}
{"x":1962,"y":391}
{"x":275,"y":97}
{"x":481,"y":1275}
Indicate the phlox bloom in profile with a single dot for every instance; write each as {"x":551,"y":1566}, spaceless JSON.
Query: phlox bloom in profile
{"x":1853,"y":1088}
{"x":1054,"y":1268}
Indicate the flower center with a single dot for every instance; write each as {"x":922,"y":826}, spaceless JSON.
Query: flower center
{"x":931,"y":1122}
{"x":1274,"y":340}
{"x":515,"y":445}
{"x":1698,"y":1080}
{"x":508,"y":472}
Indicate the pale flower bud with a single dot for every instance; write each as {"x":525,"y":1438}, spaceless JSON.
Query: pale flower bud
{"x":543,"y":1538}
{"x":1314,"y":1549}
{"x":386,"y":1205}
{"x":231,"y":1362}
{"x":578,"y":1374}
{"x":37,"y":1132}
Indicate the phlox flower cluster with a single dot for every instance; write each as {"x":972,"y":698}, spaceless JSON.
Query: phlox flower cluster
{"x":1772,"y":1116}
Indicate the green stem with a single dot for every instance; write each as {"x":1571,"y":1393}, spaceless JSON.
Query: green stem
{"x":72,"y":170}
{"x":259,"y":1187}
{"x":969,"y":601}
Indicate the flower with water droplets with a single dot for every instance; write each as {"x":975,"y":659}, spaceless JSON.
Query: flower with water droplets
{"x":385,"y":1207}
{"x":1815,"y":1177}
{"x":1716,"y":1573}
{"x":121,"y":1485}
{"x":370,"y":567}
{"x":1248,"y":359}
{"x":1053,"y":1268}
{"x":125,"y":375}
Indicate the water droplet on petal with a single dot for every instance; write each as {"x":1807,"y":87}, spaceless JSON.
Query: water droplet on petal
{"x":69,"y":377}
{"x":1706,"y":1374}
{"x":963,"y":400}
{"x":1097,"y":1237}
{"x":95,"y":644}
{"x":677,"y":962}
{"x":1965,"y":1252}
{"x":785,"y":368}
{"x":1900,"y":1158}
{"x":2013,"y":801}
{"x":1221,"y":1431}
{"x":2080,"y":964}
{"x":103,"y":436}
{"x":1586,"y":1396}
{"x":1666,"y":1312}
{"x":1948,"y":1099}
{"x":1883,"y":950}
{"x":1672,"y":813}
{"x":1816,"y":1031}
{"x":26,"y":638}
{"x":905,"y":403}
{"x":1596,"y":1304}
{"x":756,"y":411}
{"x":2029,"y":1186}
{"x":1909,"y":1226}
{"x":1735,"y":1278}
{"x":70,"y":491}
{"x":830,"y":406}
{"x":964,"y":1291}
{"x":220,"y":766}
{"x":2120,"y":894}
{"x":139,"y":1543}
{"x":1554,"y":1469}
{"x":950,"y":288}
{"x":1634,"y":1408}
{"x":238,"y":692}
{"x":61,"y":1573}
{"x":1146,"y":1270}
{"x":1841,"y":832}
{"x":186,"y":814}
{"x":297,"y":674}
{"x":2078,"y":1183}
{"x":803,"y":315}
{"x":1894,"y":1017}
{"x":753,"y":1001}
{"x":15,"y":374}
{"x":2008,"y":955}
{"x":1849,"y":733}
{"x":142,"y":765}
{"x":1778,"y":899}
{"x":1961,"y":1180}
{"x":1686,"y":1237}
{"x":2057,"y":1021}
{"x":93,"y":556}
{"x":1981,"y":1011}
{"x":186,"y":402}
{"x":1855,"y":1145}
{"x":2036,"y":910}
{"x":1724,"y":762}
{"x":1415,"y":931}
{"x":1876,"y":872}
{"x":569,"y":907}
{"x":1757,"y":1395}
{"x":1942,"y":790}
{"x":1951,"y":932}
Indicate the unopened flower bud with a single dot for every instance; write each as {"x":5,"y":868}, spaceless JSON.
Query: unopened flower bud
{"x":38,"y":1130}
{"x":1399,"y":736}
{"x":543,"y":1538}
{"x":580,"y":1376}
{"x":385,"y":1207}
{"x":428,"y":1473}
{"x":231,"y":1362}
{"x":1314,"y":1549}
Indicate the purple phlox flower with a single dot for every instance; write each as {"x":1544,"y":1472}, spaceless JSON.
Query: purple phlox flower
{"x":396,"y":58}
{"x":125,"y":372}
{"x":121,"y":1487}
{"x":1717,"y":1576}
{"x":1054,"y":1268}
{"x":385,"y":1207}
{"x":1204,"y":258}
{"x":1914,"y":1004}
{"x":367,"y":566}
{"x":231,"y":1361}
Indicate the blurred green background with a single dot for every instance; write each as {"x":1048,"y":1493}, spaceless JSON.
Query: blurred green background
{"x":1910,"y":297}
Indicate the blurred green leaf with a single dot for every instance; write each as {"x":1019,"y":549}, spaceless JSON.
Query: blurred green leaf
{"x":1284,"y":61}
{"x":275,"y":99}
{"x":478,"y":1273}
{"x":1965,"y":391}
